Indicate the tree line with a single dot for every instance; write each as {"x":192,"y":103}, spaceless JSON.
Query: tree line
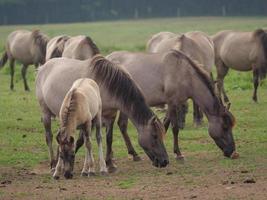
{"x":58,"y":11}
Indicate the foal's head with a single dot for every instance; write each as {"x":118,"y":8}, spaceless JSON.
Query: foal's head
{"x":221,"y":131}
{"x":66,"y":152}
{"x":151,"y":140}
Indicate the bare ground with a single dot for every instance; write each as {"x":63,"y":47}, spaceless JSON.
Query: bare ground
{"x":136,"y":180}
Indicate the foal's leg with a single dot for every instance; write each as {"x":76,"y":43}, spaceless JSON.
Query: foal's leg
{"x":198,"y":115}
{"x":58,"y":168}
{"x":123,"y":123}
{"x":23,"y":73}
{"x":222,"y":70}
{"x":256,"y":84}
{"x":109,"y":137}
{"x":12,"y":71}
{"x":172,"y":110}
{"x":102,"y":163}
{"x":89,"y":166}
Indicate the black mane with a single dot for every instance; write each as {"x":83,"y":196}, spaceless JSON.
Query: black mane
{"x":120,"y":85}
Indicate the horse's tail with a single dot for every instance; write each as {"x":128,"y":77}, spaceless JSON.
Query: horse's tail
{"x":120,"y":86}
{"x":3,"y":60}
{"x":262,"y":35}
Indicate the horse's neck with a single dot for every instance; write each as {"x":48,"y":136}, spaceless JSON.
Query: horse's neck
{"x":205,"y":100}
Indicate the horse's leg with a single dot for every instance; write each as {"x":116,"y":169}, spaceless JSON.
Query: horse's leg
{"x":49,"y":138}
{"x":109,"y":137}
{"x":23,"y":73}
{"x":181,"y":114}
{"x":123,"y":123}
{"x":89,"y":166}
{"x":166,"y":121}
{"x":102,"y":163}
{"x":12,"y":71}
{"x":175,"y":130}
{"x":58,"y":168}
{"x":198,"y":115}
{"x":222,"y":70}
{"x":256,"y":84}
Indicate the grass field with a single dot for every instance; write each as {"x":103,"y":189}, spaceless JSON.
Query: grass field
{"x":205,"y":174}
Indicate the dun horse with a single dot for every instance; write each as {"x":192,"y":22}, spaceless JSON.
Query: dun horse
{"x":117,"y":90}
{"x":242,"y":51}
{"x":172,"y":78}
{"x":78,"y":47}
{"x":197,"y":45}
{"x":26,"y":47}
{"x":81,"y":107}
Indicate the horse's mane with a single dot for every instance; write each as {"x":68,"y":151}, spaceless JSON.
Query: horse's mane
{"x":203,"y":75}
{"x":57,"y":52}
{"x":40,"y":40}
{"x":262,"y":36}
{"x":120,"y":85}
{"x":69,"y":108}
{"x":93,"y":46}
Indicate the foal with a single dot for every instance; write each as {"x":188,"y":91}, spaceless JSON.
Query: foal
{"x":81,"y":107}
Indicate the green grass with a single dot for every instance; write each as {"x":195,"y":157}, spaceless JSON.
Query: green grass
{"x":22,"y":141}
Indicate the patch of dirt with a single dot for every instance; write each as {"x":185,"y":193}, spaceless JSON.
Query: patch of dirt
{"x":133,"y":180}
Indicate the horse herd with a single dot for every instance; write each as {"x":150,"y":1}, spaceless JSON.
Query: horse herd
{"x":85,"y":90}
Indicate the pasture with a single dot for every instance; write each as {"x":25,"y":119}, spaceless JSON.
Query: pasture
{"x":205,"y":173}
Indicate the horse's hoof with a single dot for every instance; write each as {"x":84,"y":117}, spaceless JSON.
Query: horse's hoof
{"x":112,"y":169}
{"x":56,"y":177}
{"x":84,"y":174}
{"x":91,"y":174}
{"x":103,"y":173}
{"x":179,"y":158}
{"x":136,"y":158}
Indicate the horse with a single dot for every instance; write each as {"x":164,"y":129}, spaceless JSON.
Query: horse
{"x":117,"y":90}
{"x":197,"y":45}
{"x":171,"y":79}
{"x":241,"y":51}
{"x":55,"y":46}
{"x":26,"y":47}
{"x":81,"y":107}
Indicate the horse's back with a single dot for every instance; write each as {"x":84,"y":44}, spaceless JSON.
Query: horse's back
{"x":155,"y":40}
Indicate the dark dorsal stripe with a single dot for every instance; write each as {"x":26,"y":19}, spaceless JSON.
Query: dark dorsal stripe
{"x":204,"y":77}
{"x":120,"y":85}
{"x":69,"y":109}
{"x":93,"y":46}
{"x":262,"y":35}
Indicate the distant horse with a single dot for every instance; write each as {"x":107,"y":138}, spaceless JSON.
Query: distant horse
{"x":26,"y":47}
{"x":55,"y":46}
{"x":172,"y":78}
{"x":242,"y":51}
{"x":81,"y":107}
{"x":78,"y":47}
{"x":197,"y":45}
{"x":117,"y":90}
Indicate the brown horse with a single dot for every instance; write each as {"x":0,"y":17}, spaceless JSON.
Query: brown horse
{"x":197,"y":45}
{"x":242,"y":51}
{"x":26,"y":47}
{"x":172,"y":78}
{"x":117,"y":90}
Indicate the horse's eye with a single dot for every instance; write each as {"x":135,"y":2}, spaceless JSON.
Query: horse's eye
{"x":155,"y":137}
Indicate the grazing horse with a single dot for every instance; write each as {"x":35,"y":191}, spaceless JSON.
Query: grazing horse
{"x":55,"y":46}
{"x":81,"y":107}
{"x":242,"y":51}
{"x":171,"y":79}
{"x":197,"y":45}
{"x":26,"y":47}
{"x":117,"y":90}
